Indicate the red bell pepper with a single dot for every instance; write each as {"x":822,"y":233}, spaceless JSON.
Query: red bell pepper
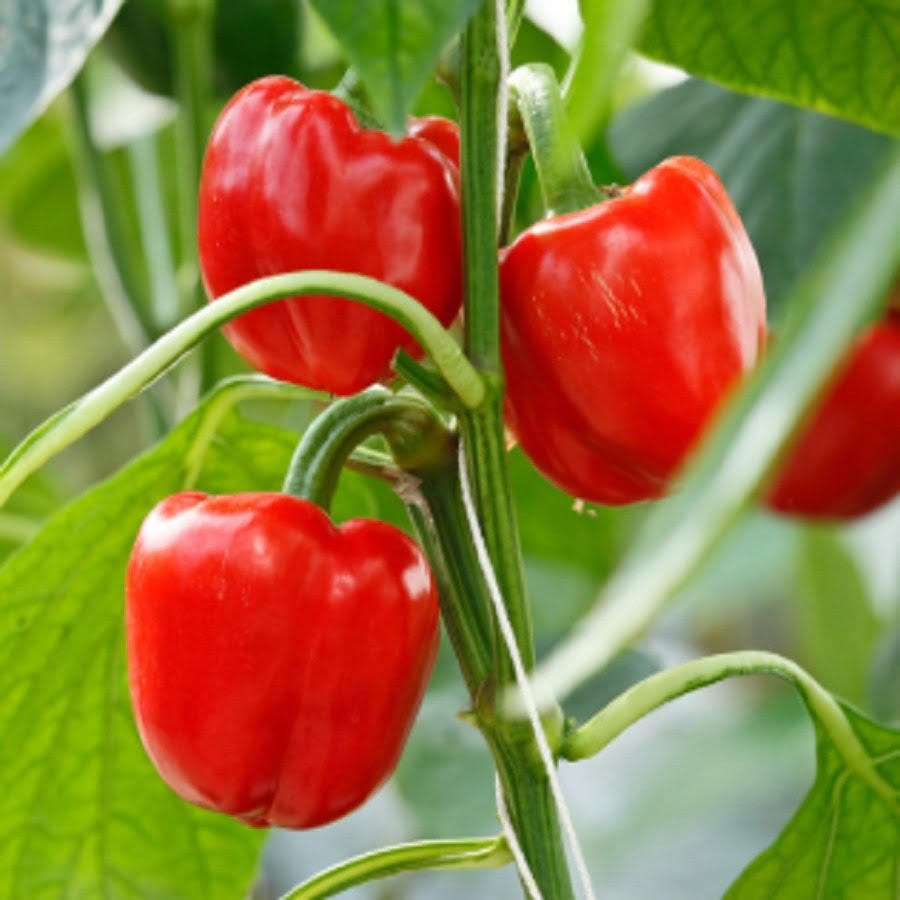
{"x":623,"y":326}
{"x":292,"y":182}
{"x":276,"y":662}
{"x":846,"y":461}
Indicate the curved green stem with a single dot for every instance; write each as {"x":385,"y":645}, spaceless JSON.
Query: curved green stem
{"x":563,"y":174}
{"x":429,"y":383}
{"x":648,"y":695}
{"x":417,"y":438}
{"x":78,"y":418}
{"x":471,"y":853}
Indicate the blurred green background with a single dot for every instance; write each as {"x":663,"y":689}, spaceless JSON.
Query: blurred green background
{"x":722,"y":769}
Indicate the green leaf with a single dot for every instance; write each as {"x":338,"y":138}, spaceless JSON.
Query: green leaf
{"x":45,"y":43}
{"x":533,"y":44}
{"x":250,"y":40}
{"x":590,"y":538}
{"x":791,"y":173}
{"x":256,"y":39}
{"x":446,"y":776}
{"x":21,"y":518}
{"x":834,"y":56}
{"x":394,"y":45}
{"x":884,"y":678}
{"x":81,"y":809}
{"x":564,"y":565}
{"x":837,"y":626}
{"x":844,"y":840}
{"x":609,"y":29}
{"x":38,"y":194}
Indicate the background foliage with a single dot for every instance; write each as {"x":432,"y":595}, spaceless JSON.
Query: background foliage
{"x":78,"y":803}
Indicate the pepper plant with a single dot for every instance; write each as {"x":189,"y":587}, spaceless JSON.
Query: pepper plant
{"x":434,"y":293}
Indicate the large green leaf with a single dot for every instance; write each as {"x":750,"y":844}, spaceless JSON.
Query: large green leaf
{"x":446,"y":776}
{"x":791,"y":173}
{"x":394,"y":45}
{"x":21,"y":518}
{"x":82,"y":813}
{"x":837,"y":56}
{"x":252,"y":38}
{"x":45,"y":43}
{"x":844,"y":840}
{"x":38,"y":194}
{"x":609,"y":29}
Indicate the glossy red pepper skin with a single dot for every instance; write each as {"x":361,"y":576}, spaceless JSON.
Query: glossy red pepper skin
{"x":623,"y":326}
{"x":439,"y":131}
{"x":846,"y":460}
{"x":291,"y":182}
{"x":276,"y":662}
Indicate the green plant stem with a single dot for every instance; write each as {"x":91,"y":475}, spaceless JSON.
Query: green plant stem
{"x":483,"y":122}
{"x":418,"y":440}
{"x":437,"y":513}
{"x":662,"y":687}
{"x":191,"y":36}
{"x":515,"y":160}
{"x":423,"y":471}
{"x":484,"y":442}
{"x":75,"y":420}
{"x":515,"y":10}
{"x":193,"y":63}
{"x":846,"y":288}
{"x":148,"y":194}
{"x":471,"y":853}
{"x":105,"y":231}
{"x":111,"y":256}
{"x":427,"y":381}
{"x":563,"y":174}
{"x":610,"y":29}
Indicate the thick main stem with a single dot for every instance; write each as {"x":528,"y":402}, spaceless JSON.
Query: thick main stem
{"x":525,"y":785}
{"x":466,"y":604}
